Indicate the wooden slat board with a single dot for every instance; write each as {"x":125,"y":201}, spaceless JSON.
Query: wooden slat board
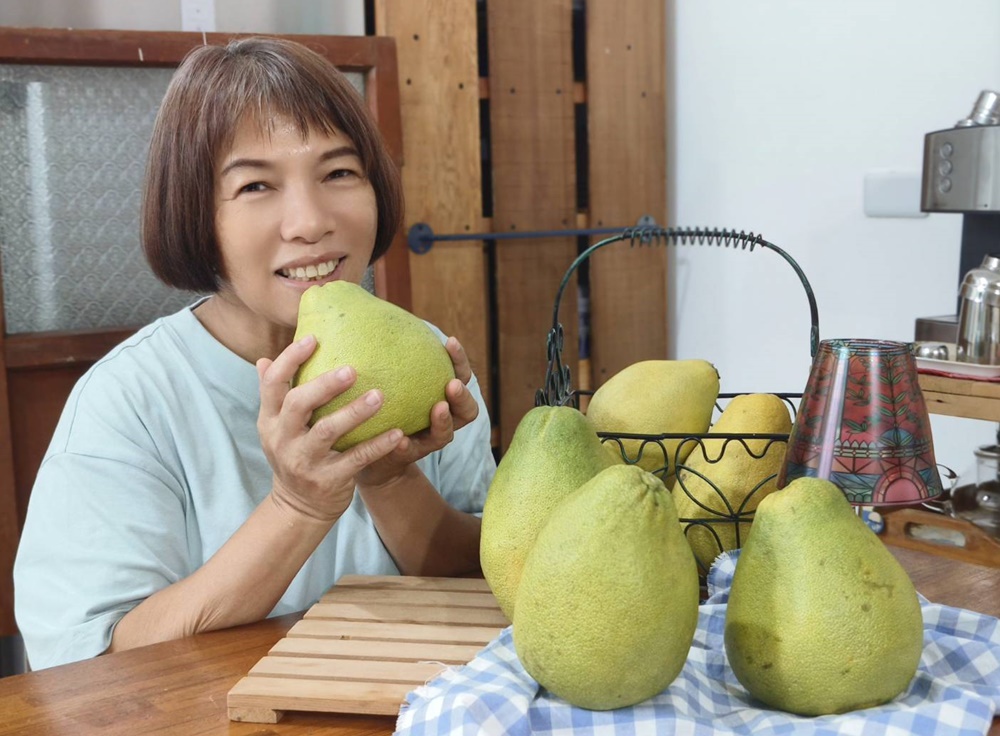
{"x":960,"y":397}
{"x":366,"y":644}
{"x":626,"y":120}
{"x":442,"y":172}
{"x":534,"y":185}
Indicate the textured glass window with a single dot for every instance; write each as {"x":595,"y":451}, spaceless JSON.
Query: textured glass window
{"x":73,"y":143}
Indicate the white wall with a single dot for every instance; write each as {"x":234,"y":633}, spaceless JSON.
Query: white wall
{"x":778,"y":108}
{"x":344,"y":17}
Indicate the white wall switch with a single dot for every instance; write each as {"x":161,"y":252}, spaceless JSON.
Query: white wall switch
{"x":893,"y":194}
{"x":198,"y":15}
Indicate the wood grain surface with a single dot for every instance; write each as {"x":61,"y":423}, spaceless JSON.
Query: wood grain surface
{"x":533,"y":141}
{"x":627,"y":123}
{"x":180,"y":687}
{"x":366,"y":644}
{"x":442,"y":172}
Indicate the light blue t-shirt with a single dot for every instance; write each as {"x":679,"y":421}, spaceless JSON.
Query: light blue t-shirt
{"x":154,"y":464}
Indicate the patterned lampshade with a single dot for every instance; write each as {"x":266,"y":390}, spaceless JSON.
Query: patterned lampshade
{"x":862,"y":423}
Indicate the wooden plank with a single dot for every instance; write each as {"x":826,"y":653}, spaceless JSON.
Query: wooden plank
{"x":443,"y":634}
{"x":534,"y":184}
{"x":407,"y":582}
{"x":392,"y":270}
{"x":960,"y":397}
{"x":152,"y":48}
{"x":395,"y":651}
{"x":956,"y":405}
{"x":48,"y":349}
{"x":958,"y":386}
{"x":246,"y":699}
{"x":442,"y":175}
{"x":361,"y":670}
{"x":416,"y":614}
{"x":626,"y":119}
{"x":461,"y":599}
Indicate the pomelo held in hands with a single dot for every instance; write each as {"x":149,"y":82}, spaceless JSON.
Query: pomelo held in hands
{"x":390,"y":349}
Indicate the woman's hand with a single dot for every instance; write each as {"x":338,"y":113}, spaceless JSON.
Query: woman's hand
{"x":309,"y":476}
{"x":459,"y":409}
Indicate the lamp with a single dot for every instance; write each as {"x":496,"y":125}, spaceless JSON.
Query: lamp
{"x":863,"y":425}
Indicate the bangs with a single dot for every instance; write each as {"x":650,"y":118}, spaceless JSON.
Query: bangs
{"x":261,"y":90}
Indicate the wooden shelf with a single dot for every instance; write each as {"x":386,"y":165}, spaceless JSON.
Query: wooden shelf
{"x":961,"y":397}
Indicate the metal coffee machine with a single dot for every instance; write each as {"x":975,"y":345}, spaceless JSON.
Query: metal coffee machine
{"x":961,"y":173}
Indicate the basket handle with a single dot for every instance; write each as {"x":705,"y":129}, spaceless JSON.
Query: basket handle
{"x":557,"y":391}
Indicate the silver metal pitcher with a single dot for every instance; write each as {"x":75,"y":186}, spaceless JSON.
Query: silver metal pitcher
{"x":979,"y":314}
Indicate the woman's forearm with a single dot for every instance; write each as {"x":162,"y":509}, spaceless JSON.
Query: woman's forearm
{"x":423,"y":534}
{"x":241,"y":583}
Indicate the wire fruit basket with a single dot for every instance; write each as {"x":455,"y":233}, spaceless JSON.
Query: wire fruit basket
{"x":725,"y":516}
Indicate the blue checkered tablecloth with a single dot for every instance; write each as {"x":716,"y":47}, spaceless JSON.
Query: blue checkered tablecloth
{"x":956,"y":689}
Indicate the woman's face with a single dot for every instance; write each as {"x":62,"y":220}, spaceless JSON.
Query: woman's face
{"x":290,"y":213}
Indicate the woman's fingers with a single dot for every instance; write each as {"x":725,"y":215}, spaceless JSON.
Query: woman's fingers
{"x":364,"y":454}
{"x":463,"y":370}
{"x":276,"y":375}
{"x":462,"y":405}
{"x":333,"y":426}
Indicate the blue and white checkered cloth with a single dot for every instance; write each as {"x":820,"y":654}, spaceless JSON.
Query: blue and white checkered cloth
{"x":956,"y":689}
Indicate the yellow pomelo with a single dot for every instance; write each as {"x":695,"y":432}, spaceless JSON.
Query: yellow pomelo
{"x":655,"y":397}
{"x":608,"y":602}
{"x":554,"y":451}
{"x":390,"y":349}
{"x":821,"y":617}
{"x":724,"y":478}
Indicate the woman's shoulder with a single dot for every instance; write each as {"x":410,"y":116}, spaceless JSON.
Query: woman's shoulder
{"x":145,"y":354}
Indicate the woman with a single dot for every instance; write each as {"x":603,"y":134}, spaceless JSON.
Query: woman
{"x":184,"y":490}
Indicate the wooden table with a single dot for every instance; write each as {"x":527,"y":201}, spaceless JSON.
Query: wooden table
{"x":180,"y":687}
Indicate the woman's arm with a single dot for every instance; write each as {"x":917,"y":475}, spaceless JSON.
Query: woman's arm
{"x":241,"y":583}
{"x":423,"y":534}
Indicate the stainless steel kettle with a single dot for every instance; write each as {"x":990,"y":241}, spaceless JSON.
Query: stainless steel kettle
{"x":978,"y":338}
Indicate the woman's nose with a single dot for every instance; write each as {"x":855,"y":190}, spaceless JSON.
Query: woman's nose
{"x":305,"y":216}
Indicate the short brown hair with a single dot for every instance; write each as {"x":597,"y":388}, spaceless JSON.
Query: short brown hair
{"x":213,"y":91}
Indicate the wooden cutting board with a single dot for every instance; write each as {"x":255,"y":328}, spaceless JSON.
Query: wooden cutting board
{"x":366,"y":644}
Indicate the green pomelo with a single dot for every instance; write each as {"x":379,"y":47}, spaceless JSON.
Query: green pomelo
{"x":554,"y":451}
{"x":723,"y":478}
{"x":608,"y":602}
{"x":390,"y":349}
{"x":821,"y":617}
{"x":654,"y":397}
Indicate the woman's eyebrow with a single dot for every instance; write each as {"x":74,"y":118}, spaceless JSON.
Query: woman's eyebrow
{"x":244,"y":163}
{"x":339,"y":152}
{"x":256,"y":163}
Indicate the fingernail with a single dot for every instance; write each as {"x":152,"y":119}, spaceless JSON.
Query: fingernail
{"x":306,"y":340}
{"x":396,"y":435}
{"x":372,"y":398}
{"x":343,"y":373}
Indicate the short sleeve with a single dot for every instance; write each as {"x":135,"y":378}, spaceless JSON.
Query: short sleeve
{"x":100,"y":536}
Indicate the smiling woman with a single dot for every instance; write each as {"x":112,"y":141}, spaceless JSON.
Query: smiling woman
{"x":184,"y":489}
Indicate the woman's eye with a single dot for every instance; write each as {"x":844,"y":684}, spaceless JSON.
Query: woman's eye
{"x":256,"y":186}
{"x":341,"y":173}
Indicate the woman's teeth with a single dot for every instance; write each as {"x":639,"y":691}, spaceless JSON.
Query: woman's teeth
{"x":310,"y":273}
